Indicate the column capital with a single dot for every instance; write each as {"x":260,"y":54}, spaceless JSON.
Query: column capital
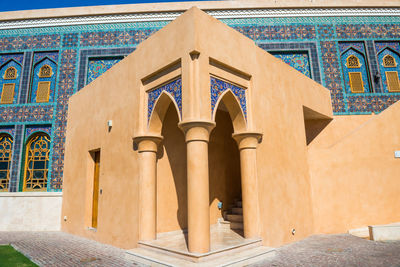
{"x":147,"y":143}
{"x":247,"y":140}
{"x":197,"y":130}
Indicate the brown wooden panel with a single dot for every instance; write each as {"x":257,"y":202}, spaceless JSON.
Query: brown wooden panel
{"x":7,"y":95}
{"x":95,"y":206}
{"x":392,"y":78}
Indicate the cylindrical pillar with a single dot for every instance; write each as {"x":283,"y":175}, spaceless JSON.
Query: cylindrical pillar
{"x":247,"y":143}
{"x":147,"y":148}
{"x":197,"y":136}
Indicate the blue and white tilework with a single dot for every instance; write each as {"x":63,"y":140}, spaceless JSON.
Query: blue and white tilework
{"x":41,"y":59}
{"x":383,"y":69}
{"x":219,"y":86}
{"x":11,"y":63}
{"x":97,"y":66}
{"x":32,"y":129}
{"x":298,"y":60}
{"x":363,"y":69}
{"x":174,"y":88}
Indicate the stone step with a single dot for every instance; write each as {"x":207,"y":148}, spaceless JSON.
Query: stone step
{"x":237,"y":210}
{"x":234,"y":217}
{"x":236,"y":225}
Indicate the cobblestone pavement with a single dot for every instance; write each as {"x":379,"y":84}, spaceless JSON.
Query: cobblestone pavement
{"x":336,"y":250}
{"x":58,"y":249}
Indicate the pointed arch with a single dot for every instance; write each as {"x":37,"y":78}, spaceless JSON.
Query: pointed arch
{"x":37,"y":156}
{"x":6,"y":146}
{"x":160,"y":108}
{"x":235,"y":111}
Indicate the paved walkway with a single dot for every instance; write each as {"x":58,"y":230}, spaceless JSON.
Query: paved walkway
{"x":58,"y":249}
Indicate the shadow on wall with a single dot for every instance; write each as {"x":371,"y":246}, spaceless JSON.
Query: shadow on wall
{"x":175,"y":151}
{"x":224,"y":166}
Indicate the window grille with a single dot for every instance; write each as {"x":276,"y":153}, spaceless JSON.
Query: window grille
{"x":353,"y":62}
{"x":392,"y":78}
{"x":389,"y":61}
{"x":43,"y":92}
{"x":7,"y":94}
{"x":356,"y":82}
{"x":6,"y":143}
{"x":45,"y":71}
{"x":37,"y":163}
{"x":10,"y":74}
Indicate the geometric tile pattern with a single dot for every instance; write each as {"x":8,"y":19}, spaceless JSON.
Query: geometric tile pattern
{"x":219,"y":86}
{"x":36,"y":79}
{"x":278,"y":32}
{"x":363,"y":31}
{"x":363,"y":69}
{"x":383,"y":69}
{"x":174,"y":88}
{"x":298,"y":60}
{"x":16,"y":81}
{"x":97,"y":66}
{"x":29,"y":130}
{"x":31,"y":113}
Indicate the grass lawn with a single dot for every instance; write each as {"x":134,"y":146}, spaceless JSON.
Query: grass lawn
{"x":9,"y":257}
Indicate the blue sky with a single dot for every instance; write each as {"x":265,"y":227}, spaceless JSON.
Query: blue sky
{"x":11,"y":5}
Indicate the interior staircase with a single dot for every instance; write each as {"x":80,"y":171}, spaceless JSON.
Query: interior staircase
{"x":234,"y":216}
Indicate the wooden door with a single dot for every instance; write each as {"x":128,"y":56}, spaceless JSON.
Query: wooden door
{"x":95,"y":206}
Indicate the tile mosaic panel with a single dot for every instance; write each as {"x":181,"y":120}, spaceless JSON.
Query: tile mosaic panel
{"x":36,"y":79}
{"x":297,"y":60}
{"x":359,"y":46}
{"x":66,"y":89}
{"x":8,"y":129}
{"x":330,"y":64}
{"x":383,"y":69}
{"x":16,"y":81}
{"x":97,"y":66}
{"x":278,"y":32}
{"x":29,"y":113}
{"x":326,"y":31}
{"x":368,"y":31}
{"x":111,"y":38}
{"x":174,"y":88}
{"x":7,"y":57}
{"x":31,"y":129}
{"x":363,"y":69}
{"x":382,"y":45}
{"x":219,"y":86}
{"x":70,"y":40}
{"x":16,"y":158}
{"x":29,"y":42}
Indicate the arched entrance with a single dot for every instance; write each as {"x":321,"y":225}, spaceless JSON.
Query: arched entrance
{"x":224,"y":177}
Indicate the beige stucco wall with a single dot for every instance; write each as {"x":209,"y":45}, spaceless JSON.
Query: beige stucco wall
{"x":294,"y":179}
{"x":354,"y":174}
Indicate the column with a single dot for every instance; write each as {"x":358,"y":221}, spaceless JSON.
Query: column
{"x":247,"y":143}
{"x":147,"y":148}
{"x":197,"y":136}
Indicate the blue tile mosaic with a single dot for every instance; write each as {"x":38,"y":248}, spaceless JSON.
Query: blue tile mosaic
{"x":16,"y":81}
{"x":218,"y":87}
{"x":298,"y":60}
{"x":383,"y":69}
{"x":174,"y":88}
{"x":32,"y":129}
{"x":363,"y":68}
{"x":40,"y":60}
{"x":97,"y":66}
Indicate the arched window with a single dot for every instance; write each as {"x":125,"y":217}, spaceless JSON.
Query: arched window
{"x":37,"y":162}
{"x":389,"y":61}
{"x":6,"y":143}
{"x":353,"y":62}
{"x":10,"y":73}
{"x":45,"y":71}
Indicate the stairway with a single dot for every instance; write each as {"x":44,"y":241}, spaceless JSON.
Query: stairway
{"x":235,"y":215}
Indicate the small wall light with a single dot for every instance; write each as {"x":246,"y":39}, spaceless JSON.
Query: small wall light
{"x":397,"y":154}
{"x":65,"y":218}
{"x":109,"y":124}
{"x":293,"y":231}
{"x":220,"y":205}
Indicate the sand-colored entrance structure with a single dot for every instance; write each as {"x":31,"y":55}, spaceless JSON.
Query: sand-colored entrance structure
{"x":273,"y":146}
